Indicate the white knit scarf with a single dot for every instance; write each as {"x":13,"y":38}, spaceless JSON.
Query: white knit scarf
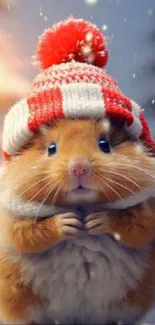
{"x":20,"y":208}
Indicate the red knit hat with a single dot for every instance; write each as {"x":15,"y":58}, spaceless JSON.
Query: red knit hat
{"x":72,"y":84}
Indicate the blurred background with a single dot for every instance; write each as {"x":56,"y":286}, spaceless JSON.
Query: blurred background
{"x":129,"y":26}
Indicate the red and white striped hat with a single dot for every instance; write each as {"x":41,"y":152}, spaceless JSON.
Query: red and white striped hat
{"x":72,"y":84}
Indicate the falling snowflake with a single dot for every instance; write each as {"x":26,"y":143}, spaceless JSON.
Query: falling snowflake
{"x":45,"y":18}
{"x":91,"y":2}
{"x":125,"y":19}
{"x":134,"y":75}
{"x":153,"y":101}
{"x":105,"y":27}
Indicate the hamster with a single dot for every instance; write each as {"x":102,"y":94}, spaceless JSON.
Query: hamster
{"x":65,"y":268}
{"x":77,"y":188}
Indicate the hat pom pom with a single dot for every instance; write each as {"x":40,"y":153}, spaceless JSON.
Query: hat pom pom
{"x":72,"y":39}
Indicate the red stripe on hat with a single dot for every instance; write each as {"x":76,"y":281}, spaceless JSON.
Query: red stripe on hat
{"x":117,"y":106}
{"x":116,"y":98}
{"x":146,"y":136}
{"x":145,"y":131}
{"x":117,"y":113}
{"x":5,"y":156}
{"x":45,"y":106}
{"x":78,"y":72}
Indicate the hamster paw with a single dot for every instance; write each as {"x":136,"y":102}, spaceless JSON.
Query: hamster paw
{"x":94,"y":223}
{"x":69,"y":225}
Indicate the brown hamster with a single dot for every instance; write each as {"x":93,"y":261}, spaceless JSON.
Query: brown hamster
{"x":71,"y":164}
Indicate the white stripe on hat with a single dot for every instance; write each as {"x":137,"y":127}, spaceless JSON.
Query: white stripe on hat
{"x":16,"y":132}
{"x":135,"y":108}
{"x":82,"y":100}
{"x":135,"y":129}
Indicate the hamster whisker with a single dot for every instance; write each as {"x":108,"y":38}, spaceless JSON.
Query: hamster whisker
{"x":56,"y":194}
{"x":146,"y":171}
{"x":34,"y":184}
{"x":45,"y":198}
{"x":125,"y":165}
{"x":103,"y":189}
{"x":31,"y":199}
{"x":47,"y":195}
{"x":51,"y":189}
{"x":100,"y":183}
{"x":26,"y":170}
{"x":123,"y":176}
{"x":111,"y":188}
{"x":121,"y":185}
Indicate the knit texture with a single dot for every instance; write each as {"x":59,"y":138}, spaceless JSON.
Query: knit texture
{"x":72,"y":85}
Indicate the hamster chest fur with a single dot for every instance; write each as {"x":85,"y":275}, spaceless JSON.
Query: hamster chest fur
{"x":83,"y":279}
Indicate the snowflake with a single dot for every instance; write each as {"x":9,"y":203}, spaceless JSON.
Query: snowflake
{"x":105,"y":27}
{"x":153,"y":101}
{"x":134,"y":75}
{"x":91,"y":2}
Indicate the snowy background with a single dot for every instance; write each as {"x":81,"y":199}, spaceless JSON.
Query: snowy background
{"x":129,"y":26}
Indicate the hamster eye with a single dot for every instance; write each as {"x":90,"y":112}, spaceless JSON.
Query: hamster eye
{"x":104,"y":145}
{"x":52,"y":149}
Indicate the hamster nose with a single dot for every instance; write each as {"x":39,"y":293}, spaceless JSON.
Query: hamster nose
{"x":79,"y":168}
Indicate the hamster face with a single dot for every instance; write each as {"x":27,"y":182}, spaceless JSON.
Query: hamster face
{"x":80,"y":162}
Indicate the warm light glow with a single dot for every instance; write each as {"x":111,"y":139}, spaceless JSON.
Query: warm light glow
{"x":13,"y":86}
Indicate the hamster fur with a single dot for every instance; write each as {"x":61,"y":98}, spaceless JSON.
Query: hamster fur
{"x":65,"y":268}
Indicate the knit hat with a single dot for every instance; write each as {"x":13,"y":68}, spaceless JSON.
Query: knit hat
{"x":72,"y":84}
